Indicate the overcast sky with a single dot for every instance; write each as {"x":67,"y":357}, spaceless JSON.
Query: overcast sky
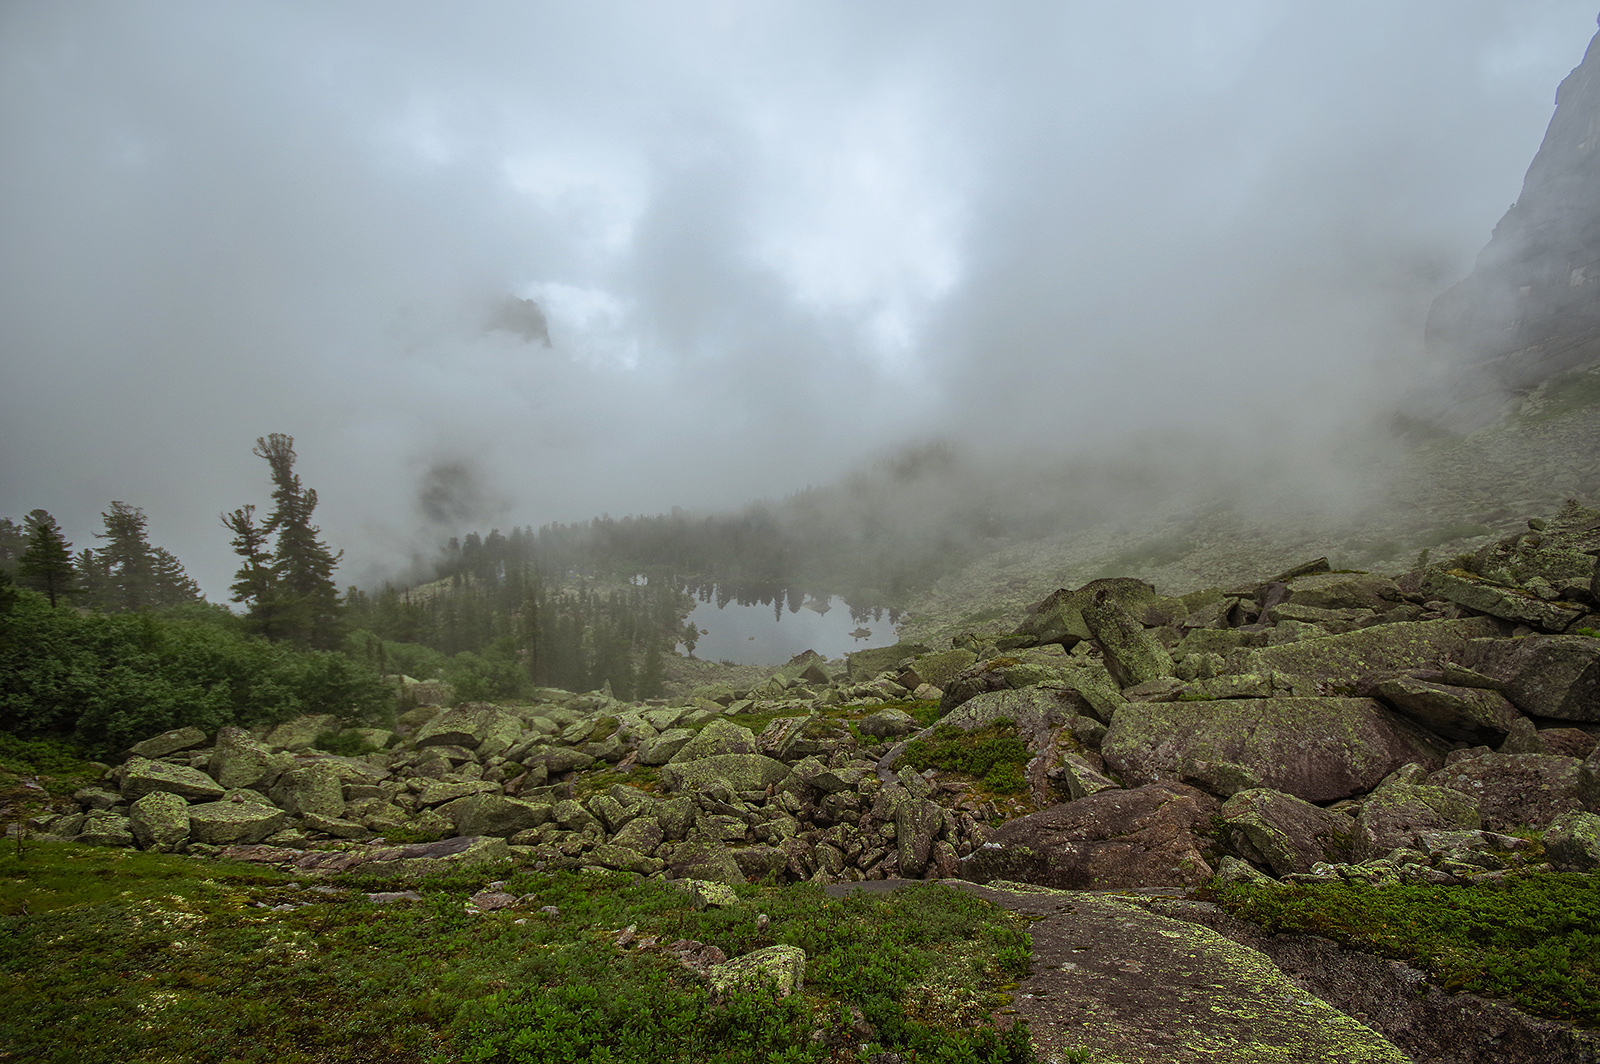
{"x":771,"y":239}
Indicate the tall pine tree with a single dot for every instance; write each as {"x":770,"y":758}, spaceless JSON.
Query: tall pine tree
{"x":294,"y":598}
{"x":46,"y":564}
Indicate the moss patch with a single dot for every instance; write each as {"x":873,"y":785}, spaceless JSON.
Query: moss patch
{"x":1533,"y":939}
{"x":995,"y":754}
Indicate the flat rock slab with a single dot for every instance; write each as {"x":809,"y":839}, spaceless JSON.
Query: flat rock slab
{"x":1137,"y":988}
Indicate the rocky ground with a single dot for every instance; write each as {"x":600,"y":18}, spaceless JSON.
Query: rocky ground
{"x":1437,"y":727}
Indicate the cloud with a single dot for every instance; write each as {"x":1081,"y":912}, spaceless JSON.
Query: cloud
{"x":771,"y":242}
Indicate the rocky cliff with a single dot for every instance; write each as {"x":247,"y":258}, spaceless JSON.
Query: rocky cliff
{"x":1531,"y":306}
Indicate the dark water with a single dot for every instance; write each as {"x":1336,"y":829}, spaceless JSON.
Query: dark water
{"x":759,"y":635}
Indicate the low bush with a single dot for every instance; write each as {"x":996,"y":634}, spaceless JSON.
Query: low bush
{"x":1534,"y":939}
{"x":108,"y":680}
{"x":994,"y":754}
{"x":136,"y":957}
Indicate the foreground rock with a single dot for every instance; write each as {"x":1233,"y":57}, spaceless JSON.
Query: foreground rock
{"x":1140,"y":988}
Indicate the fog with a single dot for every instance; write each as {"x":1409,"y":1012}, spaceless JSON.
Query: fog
{"x":771,"y":242}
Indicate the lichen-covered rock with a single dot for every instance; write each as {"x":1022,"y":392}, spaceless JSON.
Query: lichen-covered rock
{"x":1059,"y":618}
{"x":720,"y":737}
{"x":227,"y":823}
{"x":703,"y":858}
{"x":780,"y":968}
{"x":1155,"y":836}
{"x":741,"y":772}
{"x":170,"y":742}
{"x":918,"y":822}
{"x":438,"y":792}
{"x":1080,"y":778}
{"x":642,"y":833}
{"x":887,"y":723}
{"x":1508,"y":603}
{"x":494,"y":815}
{"x":160,"y":821}
{"x":103,"y":827}
{"x":1544,"y":675}
{"x":1342,"y":662}
{"x":865,"y":664}
{"x":1318,"y":749}
{"x":1572,"y":842}
{"x":239,"y":760}
{"x":141,"y":776}
{"x":557,"y":759}
{"x":1131,"y":654}
{"x":624,"y":859}
{"x":1285,"y":832}
{"x":314,"y":788}
{"x":1396,"y":813}
{"x":1470,"y":714}
{"x":792,"y":738}
{"x":1516,"y":790}
{"x":477,"y":726}
{"x":1342,"y":591}
{"x":301,"y":732}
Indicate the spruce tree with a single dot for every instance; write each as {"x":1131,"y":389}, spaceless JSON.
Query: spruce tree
{"x":304,"y":601}
{"x":255,"y":584}
{"x":46,"y":564}
{"x":128,"y":561}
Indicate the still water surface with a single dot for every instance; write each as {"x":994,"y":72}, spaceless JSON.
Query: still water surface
{"x":756,"y":635}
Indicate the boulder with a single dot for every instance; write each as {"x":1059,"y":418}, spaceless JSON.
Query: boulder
{"x":865,"y":664}
{"x":1342,"y":662}
{"x":170,"y":742}
{"x":103,"y":827}
{"x":1285,"y":833}
{"x":494,"y":815}
{"x":887,"y":723}
{"x":1155,"y":836}
{"x":1059,"y":618}
{"x":1342,"y":591}
{"x":720,"y":737}
{"x":1508,"y":603}
{"x":939,"y":669}
{"x":1397,"y":812}
{"x":226,"y":823}
{"x":141,"y":776}
{"x":779,"y":968}
{"x":1317,"y":749}
{"x":160,"y":821}
{"x":314,"y":788}
{"x":475,"y":726}
{"x":1132,"y":655}
{"x":624,"y":859}
{"x":792,"y":738}
{"x":301,"y":732}
{"x":1080,"y":778}
{"x":1470,"y":714}
{"x":740,"y":772}
{"x":1516,"y":790}
{"x":240,"y":760}
{"x":703,"y":858}
{"x":917,"y":822}
{"x":1572,"y":842}
{"x":1543,"y":675}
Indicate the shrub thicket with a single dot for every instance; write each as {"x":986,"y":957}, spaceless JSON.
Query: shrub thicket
{"x":108,"y":680}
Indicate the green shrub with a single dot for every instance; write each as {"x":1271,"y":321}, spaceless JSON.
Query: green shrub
{"x":109,"y":680}
{"x":1534,"y":938}
{"x":995,"y":754}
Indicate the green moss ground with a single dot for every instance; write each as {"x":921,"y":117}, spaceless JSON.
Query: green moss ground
{"x":1533,"y":939}
{"x":117,"y":955}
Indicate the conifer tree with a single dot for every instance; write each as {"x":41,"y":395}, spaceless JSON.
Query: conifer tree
{"x":46,"y":564}
{"x":254,"y":584}
{"x":127,"y":559}
{"x":301,"y":600}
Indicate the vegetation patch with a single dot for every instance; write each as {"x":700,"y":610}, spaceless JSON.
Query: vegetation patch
{"x":141,"y":957}
{"x":1532,"y":939}
{"x":994,"y":754}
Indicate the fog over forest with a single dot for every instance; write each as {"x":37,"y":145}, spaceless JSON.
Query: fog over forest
{"x":771,"y":242}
